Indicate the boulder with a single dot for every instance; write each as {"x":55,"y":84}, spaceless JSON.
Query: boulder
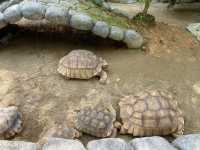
{"x":133,"y":39}
{"x":151,"y":143}
{"x":194,"y":28}
{"x":188,"y":142}
{"x":56,"y":15}
{"x":108,"y":144}
{"x":116,"y":33}
{"x":18,"y":145}
{"x":33,"y":10}
{"x":81,"y":22}
{"x":63,"y":144}
{"x":101,"y":29}
{"x":12,"y":14}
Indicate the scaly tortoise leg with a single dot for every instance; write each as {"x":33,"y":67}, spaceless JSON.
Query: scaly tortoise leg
{"x":103,"y":77}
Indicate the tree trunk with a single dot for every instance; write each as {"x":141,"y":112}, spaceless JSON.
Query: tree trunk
{"x":146,"y":7}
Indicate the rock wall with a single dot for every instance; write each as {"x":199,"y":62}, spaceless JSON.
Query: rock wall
{"x":62,"y":14}
{"x":187,"y":142}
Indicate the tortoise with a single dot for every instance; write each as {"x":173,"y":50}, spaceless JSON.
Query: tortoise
{"x":82,"y":64}
{"x":98,"y":121}
{"x":10,"y":122}
{"x":58,"y":131}
{"x":151,"y":113}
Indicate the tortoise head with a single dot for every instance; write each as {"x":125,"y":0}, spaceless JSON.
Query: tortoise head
{"x":104,"y":63}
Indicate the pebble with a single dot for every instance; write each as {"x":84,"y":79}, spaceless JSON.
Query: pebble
{"x":188,"y":142}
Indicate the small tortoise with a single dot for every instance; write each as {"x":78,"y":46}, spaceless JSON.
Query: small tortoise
{"x":10,"y":122}
{"x":83,"y":64}
{"x":98,"y":121}
{"x":151,"y":113}
{"x":58,"y":131}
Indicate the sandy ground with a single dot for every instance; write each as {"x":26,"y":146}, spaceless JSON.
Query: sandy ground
{"x":46,"y":97}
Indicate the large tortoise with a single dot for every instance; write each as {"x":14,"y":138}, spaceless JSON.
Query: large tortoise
{"x":150,"y":113}
{"x":99,"y":121}
{"x":83,"y":64}
{"x":10,"y":122}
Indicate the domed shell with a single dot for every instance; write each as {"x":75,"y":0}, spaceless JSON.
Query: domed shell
{"x":81,"y":59}
{"x":97,"y":121}
{"x":81,"y":64}
{"x":151,"y":113}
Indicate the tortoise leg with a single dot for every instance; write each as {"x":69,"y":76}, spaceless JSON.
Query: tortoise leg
{"x":179,"y":132}
{"x":123,"y":130}
{"x":114,"y":133}
{"x":103,"y":77}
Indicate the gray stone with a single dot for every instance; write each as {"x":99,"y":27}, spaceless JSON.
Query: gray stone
{"x":194,"y":28}
{"x":56,"y":15}
{"x":63,"y":144}
{"x":101,"y":29}
{"x":188,"y":142}
{"x":2,"y":21}
{"x":81,"y":22}
{"x":7,"y":4}
{"x":133,"y":39}
{"x":108,"y":144}
{"x":116,"y":33}
{"x":33,"y":10}
{"x":12,"y":14}
{"x":18,"y":145}
{"x":151,"y":143}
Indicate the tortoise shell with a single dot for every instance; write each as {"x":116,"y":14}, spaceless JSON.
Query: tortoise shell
{"x":151,"y":113}
{"x":10,"y":122}
{"x":80,"y":64}
{"x":97,"y":121}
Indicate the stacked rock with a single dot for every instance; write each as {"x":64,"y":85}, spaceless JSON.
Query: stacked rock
{"x":59,"y":15}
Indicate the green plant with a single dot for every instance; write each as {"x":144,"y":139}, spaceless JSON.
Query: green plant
{"x":144,"y":17}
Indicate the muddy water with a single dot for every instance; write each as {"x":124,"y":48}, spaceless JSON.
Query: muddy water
{"x":49,"y":98}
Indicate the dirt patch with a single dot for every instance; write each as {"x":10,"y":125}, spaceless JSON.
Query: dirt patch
{"x":165,"y":38}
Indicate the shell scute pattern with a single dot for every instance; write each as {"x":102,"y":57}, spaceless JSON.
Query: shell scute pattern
{"x":97,"y":121}
{"x":82,"y":64}
{"x":151,"y":113}
{"x":80,"y":59}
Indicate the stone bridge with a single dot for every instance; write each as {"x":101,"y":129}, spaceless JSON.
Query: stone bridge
{"x":65,"y":12}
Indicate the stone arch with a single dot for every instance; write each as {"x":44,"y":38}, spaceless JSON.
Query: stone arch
{"x":14,"y":10}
